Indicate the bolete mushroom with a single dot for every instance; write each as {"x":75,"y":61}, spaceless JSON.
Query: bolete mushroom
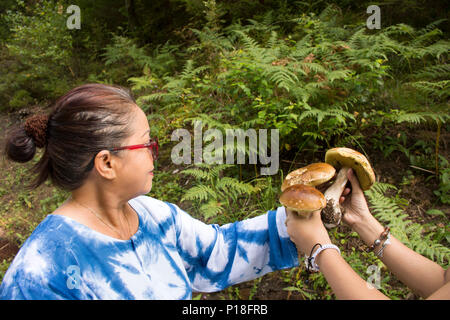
{"x":344,"y":159}
{"x":302,"y":199}
{"x":313,"y":175}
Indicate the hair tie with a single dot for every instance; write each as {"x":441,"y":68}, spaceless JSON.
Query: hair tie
{"x":36,"y":128}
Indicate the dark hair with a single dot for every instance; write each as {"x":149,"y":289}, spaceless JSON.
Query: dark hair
{"x":86,"y":120}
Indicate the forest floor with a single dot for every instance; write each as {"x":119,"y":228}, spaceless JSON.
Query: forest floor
{"x":21,"y":210}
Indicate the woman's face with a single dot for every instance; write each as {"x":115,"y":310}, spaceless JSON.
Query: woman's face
{"x":135,"y":170}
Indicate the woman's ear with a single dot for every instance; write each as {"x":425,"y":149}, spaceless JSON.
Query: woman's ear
{"x":106,"y":164}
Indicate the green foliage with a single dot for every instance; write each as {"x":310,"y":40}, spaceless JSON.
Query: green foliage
{"x":310,"y":84}
{"x":39,"y":54}
{"x":412,"y":234}
{"x":214,"y":194}
{"x":312,"y":70}
{"x":124,"y":58}
{"x":443,"y":191}
{"x":4,"y":265}
{"x":167,"y":187}
{"x":20,"y":99}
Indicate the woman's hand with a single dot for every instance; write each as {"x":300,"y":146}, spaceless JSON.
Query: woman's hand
{"x":305,"y":232}
{"x":355,"y":204}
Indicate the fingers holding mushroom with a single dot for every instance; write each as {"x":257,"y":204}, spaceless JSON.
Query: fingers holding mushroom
{"x":344,"y":159}
{"x":323,"y":177}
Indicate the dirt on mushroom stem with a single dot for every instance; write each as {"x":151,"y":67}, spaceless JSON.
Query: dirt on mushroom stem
{"x":332,"y":213}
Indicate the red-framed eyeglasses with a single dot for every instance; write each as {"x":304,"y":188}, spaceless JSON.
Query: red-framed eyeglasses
{"x":152,"y":145}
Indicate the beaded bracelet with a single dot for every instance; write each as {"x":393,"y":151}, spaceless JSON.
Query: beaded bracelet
{"x":382,"y":237}
{"x":379,"y":254}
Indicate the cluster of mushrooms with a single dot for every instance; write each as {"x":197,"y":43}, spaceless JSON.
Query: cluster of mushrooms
{"x":318,"y":187}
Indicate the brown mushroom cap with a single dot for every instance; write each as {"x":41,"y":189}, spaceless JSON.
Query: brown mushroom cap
{"x":346,"y":157}
{"x":303,"y":199}
{"x":311,"y":175}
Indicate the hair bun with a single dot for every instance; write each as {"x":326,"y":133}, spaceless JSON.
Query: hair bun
{"x":36,"y":128}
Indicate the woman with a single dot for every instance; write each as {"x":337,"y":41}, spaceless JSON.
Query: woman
{"x":422,"y":275}
{"x":108,"y":241}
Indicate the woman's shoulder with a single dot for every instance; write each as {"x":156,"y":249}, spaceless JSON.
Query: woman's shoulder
{"x":157,"y":215}
{"x":50,"y":238}
{"x":158,"y":210}
{"x":41,"y":257}
{"x":149,"y":203}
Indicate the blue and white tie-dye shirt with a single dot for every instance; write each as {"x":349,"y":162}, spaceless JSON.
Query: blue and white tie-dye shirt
{"x":171,"y":255}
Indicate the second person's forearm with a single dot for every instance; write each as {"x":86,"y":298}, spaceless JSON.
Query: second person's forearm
{"x":344,"y":281}
{"x":417,"y":272}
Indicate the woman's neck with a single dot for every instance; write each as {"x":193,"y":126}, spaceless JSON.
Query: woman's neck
{"x":107,"y":206}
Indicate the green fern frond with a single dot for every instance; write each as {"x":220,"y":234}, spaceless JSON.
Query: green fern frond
{"x":156,"y":96}
{"x":139,"y":83}
{"x":283,"y":77}
{"x":249,"y":43}
{"x":207,"y":120}
{"x":340,"y":115}
{"x":211,"y":209}
{"x":411,"y":234}
{"x":338,"y":74}
{"x":439,"y":89}
{"x":199,"y":193}
{"x":196,"y":173}
{"x":432,"y":26}
{"x":238,"y":187}
{"x":216,"y":169}
{"x":420,"y":117}
{"x":434,"y":72}
{"x":315,"y":135}
{"x":189,"y":71}
{"x":314,"y":67}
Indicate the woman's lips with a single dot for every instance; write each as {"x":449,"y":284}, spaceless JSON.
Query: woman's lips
{"x":151,"y":173}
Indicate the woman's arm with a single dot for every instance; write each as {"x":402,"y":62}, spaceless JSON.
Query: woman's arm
{"x":216,"y":257}
{"x":442,"y":294}
{"x":414,"y":270}
{"x":417,"y":272}
{"x":344,"y":281}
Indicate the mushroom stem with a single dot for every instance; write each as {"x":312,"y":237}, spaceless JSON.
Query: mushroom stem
{"x":331,"y":214}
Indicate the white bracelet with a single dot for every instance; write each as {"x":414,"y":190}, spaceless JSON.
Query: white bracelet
{"x":387,"y":242}
{"x":311,"y":261}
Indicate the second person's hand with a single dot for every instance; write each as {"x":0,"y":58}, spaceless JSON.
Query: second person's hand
{"x":354,"y":202}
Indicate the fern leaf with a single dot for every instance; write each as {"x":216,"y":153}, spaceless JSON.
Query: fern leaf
{"x":211,"y":209}
{"x":196,"y":173}
{"x":199,"y":193}
{"x":408,"y":232}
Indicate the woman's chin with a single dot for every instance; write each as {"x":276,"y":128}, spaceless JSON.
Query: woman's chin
{"x":149,"y":188}
{"x":144,"y":191}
